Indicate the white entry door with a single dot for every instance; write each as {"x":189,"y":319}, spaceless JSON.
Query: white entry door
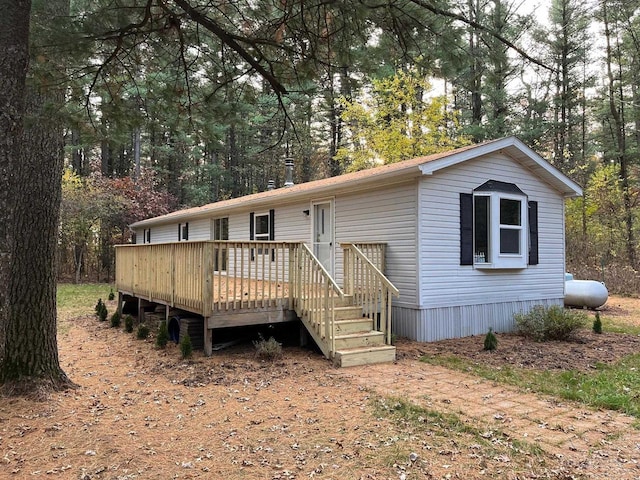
{"x":323,"y":234}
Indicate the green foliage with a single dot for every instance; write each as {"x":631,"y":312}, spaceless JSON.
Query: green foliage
{"x":549,"y":323}
{"x":597,"y":324}
{"x":612,"y":387}
{"x":128,"y":324}
{"x":116,"y":319}
{"x":143,"y":332}
{"x":101,"y":310}
{"x":112,"y":295}
{"x":490,"y":341}
{"x":267,"y":349}
{"x":397,"y":121}
{"x":162,"y":338}
{"x":186,"y":348}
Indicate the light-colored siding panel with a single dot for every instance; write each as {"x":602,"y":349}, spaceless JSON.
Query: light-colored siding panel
{"x":164,"y":233}
{"x":445,"y":283}
{"x":199,"y":229}
{"x":387,"y":215}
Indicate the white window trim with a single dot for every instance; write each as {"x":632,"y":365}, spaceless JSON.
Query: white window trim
{"x":255,"y":227}
{"x":496,"y":259}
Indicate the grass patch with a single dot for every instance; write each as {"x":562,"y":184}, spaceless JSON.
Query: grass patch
{"x":444,"y":428}
{"x":613,"y":387}
{"x":75,"y":300}
{"x":619,"y":326}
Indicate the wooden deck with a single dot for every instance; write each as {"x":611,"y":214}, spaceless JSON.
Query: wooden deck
{"x":247,"y":283}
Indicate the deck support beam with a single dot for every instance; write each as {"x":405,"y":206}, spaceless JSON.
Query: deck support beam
{"x":208,"y":338}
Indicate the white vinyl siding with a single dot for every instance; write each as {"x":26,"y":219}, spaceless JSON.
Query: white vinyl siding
{"x":199,"y":229}
{"x":385,"y":215}
{"x":446,"y":283}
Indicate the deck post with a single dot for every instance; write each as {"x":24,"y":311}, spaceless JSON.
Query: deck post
{"x":120,"y":302}
{"x":207,"y":294}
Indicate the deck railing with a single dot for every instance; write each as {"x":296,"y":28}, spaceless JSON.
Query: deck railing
{"x":314,"y":294}
{"x":369,"y":287}
{"x":206,"y":276}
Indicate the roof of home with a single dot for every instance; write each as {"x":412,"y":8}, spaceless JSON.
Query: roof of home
{"x":386,"y":174}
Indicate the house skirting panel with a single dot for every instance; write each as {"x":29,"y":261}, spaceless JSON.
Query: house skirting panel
{"x":439,"y":323}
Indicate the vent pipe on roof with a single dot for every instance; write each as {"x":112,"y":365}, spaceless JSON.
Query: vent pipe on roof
{"x":288,"y":172}
{"x":271,"y":185}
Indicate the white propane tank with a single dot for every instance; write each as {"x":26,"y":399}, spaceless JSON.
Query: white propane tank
{"x":585,"y":293}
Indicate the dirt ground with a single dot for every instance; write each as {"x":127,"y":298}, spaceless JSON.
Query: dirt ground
{"x":140,"y":412}
{"x":584,"y":351}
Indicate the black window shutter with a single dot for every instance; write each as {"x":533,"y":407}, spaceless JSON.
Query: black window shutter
{"x":533,"y":233}
{"x":466,"y":229}
{"x":179,"y":231}
{"x":272,"y":221}
{"x":272,"y":235}
{"x":252,"y":234}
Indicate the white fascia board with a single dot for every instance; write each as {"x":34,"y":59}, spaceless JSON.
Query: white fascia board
{"x":564,"y":184}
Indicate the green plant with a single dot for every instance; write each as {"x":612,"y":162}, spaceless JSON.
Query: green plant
{"x":490,"y":341}
{"x":116,"y":319}
{"x":143,"y":332}
{"x":597,"y":324}
{"x":163,"y":335}
{"x":103,"y":312}
{"x":112,"y":295}
{"x":186,"y":349}
{"x":549,"y":323}
{"x":128,"y":324}
{"x":99,"y":306}
{"x":267,"y":349}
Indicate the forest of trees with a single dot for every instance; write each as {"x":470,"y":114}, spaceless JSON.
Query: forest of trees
{"x":116,"y":110}
{"x":178,"y":103}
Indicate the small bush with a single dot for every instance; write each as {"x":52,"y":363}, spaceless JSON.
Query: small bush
{"x":112,"y":295}
{"x":597,"y":324}
{"x":490,"y":341}
{"x":103,"y":313}
{"x":268,"y":349}
{"x":128,"y":324}
{"x":186,"y":349}
{"x":163,"y":335}
{"x":99,"y":306}
{"x":143,"y":332}
{"x":116,"y":319}
{"x":552,"y":323}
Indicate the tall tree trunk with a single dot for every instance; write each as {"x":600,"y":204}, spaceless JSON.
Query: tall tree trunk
{"x":14,"y":60}
{"x":620,"y":138}
{"x":31,"y":359}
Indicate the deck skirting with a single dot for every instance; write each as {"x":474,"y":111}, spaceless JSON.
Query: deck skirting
{"x":439,"y":323}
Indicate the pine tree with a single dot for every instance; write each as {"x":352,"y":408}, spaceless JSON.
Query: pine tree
{"x":490,"y":341}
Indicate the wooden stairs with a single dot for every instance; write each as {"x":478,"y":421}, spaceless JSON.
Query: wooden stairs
{"x":356,"y":340}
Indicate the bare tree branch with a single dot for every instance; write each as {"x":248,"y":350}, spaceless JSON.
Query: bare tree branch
{"x":231,"y":42}
{"x":479,"y":26}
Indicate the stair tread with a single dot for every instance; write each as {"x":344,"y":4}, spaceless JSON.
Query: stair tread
{"x":359,"y":334}
{"x":376,"y":348}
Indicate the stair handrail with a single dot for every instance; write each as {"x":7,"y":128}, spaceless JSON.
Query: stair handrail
{"x":315,"y":304}
{"x":374,"y":292}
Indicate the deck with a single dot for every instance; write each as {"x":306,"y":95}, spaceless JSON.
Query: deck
{"x":245,"y":283}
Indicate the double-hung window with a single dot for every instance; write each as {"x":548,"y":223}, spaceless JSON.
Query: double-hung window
{"x":498,"y":227}
{"x":261,"y":228}
{"x":220,"y":232}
